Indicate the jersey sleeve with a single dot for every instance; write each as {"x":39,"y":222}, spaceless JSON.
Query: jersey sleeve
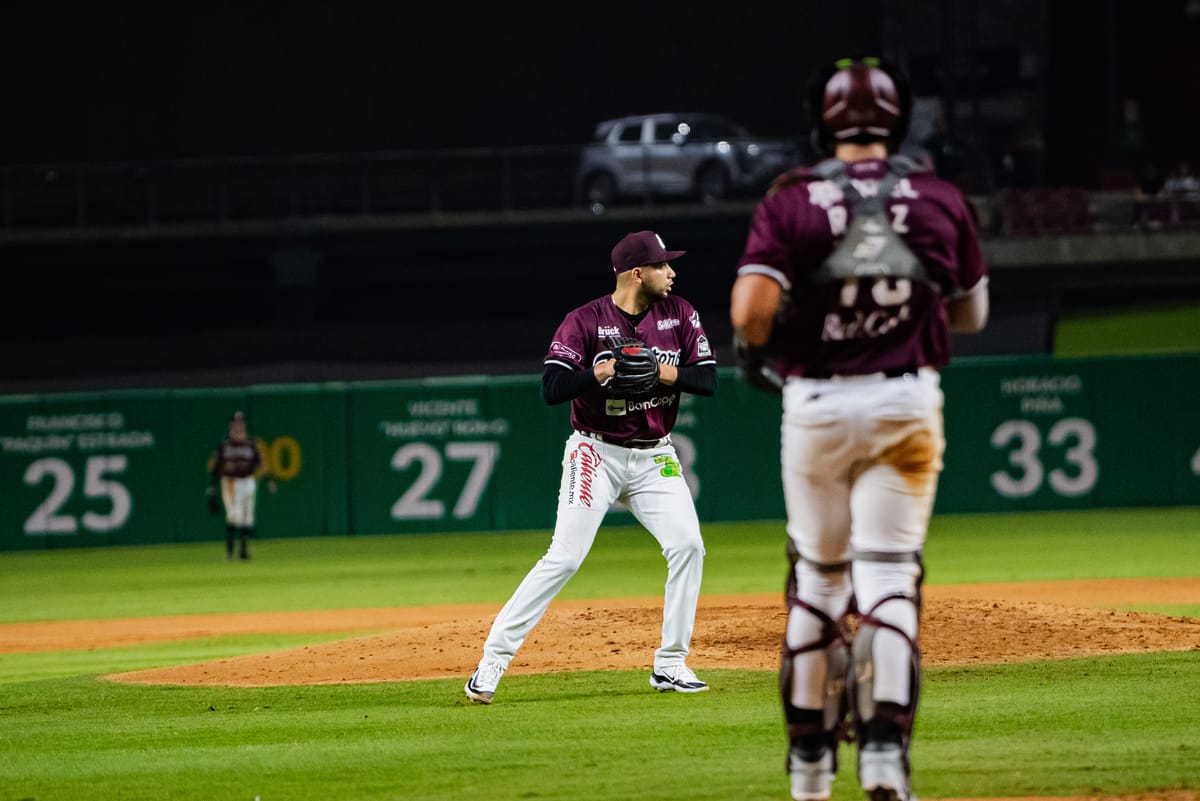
{"x":971,"y":267}
{"x":695,"y":349}
{"x":569,"y":346}
{"x":767,"y":250}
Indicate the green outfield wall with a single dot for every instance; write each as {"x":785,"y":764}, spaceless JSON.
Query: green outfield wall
{"x":478,"y":453}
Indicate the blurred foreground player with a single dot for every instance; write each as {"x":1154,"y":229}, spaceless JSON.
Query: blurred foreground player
{"x":855,"y":272}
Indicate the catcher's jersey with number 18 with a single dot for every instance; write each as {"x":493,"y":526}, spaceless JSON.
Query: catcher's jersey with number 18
{"x":670,"y":327}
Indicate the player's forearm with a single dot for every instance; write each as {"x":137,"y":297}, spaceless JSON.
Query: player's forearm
{"x":698,"y":379}
{"x":560,"y":384}
{"x":968,"y":312}
{"x":752,"y":306}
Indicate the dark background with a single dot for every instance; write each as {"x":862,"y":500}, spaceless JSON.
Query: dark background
{"x":1103,"y":86}
{"x":116,"y":81}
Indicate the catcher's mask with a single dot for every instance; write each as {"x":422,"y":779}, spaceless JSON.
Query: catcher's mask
{"x":859,"y":99}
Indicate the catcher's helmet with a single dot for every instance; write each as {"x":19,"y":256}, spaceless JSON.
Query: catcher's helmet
{"x":859,"y":100}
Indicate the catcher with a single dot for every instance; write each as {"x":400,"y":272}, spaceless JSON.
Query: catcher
{"x":622,"y":361}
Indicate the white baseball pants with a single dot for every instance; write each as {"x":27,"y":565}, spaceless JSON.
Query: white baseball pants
{"x":595,"y":475}
{"x":860,"y":459}
{"x":238,"y":495}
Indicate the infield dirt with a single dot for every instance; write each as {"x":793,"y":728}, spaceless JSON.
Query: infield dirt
{"x":965,"y":624}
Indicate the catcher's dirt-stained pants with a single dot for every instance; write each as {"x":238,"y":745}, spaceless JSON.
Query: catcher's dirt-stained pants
{"x":595,"y":475}
{"x":238,"y":495}
{"x":860,"y":458}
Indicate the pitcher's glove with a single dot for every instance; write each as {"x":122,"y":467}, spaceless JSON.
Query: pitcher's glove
{"x":755,"y":366}
{"x":214,"y":502}
{"x":636,"y":367}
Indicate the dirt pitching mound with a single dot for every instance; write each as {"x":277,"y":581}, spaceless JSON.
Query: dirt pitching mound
{"x":962,"y":625}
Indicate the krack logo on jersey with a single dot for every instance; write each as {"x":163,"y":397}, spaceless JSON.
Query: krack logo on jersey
{"x":582,"y":475}
{"x":608,"y":331}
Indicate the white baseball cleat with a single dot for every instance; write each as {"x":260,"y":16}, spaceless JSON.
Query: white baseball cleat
{"x":676,"y":678}
{"x":811,"y":774}
{"x":481,"y":687}
{"x":881,"y":771}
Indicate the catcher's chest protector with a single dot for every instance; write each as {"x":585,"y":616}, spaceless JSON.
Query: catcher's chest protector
{"x":870,"y":247}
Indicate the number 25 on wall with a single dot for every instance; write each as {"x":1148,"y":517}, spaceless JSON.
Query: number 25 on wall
{"x":1079,"y":437}
{"x":47,"y":517}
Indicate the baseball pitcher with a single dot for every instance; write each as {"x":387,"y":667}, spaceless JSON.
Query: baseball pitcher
{"x":622,"y":361}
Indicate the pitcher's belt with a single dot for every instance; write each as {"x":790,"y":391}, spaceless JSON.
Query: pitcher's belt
{"x":640,"y":444}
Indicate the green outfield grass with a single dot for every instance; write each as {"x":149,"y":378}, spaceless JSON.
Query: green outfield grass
{"x":1083,"y":726}
{"x":418,"y":570}
{"x":1164,"y":328}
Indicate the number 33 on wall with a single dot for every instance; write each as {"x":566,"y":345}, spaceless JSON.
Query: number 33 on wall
{"x":1079,"y":437}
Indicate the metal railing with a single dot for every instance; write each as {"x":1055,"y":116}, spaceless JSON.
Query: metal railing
{"x":156,"y":195}
{"x":152,"y":193}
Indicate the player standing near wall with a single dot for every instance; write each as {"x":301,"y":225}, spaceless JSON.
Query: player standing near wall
{"x":622,"y":360}
{"x":855,"y":272}
{"x":235,"y":464}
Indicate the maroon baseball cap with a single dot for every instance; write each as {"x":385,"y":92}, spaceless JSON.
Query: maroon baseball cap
{"x":641,"y":248}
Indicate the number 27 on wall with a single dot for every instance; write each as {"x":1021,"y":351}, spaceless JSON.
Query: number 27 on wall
{"x":414,"y":503}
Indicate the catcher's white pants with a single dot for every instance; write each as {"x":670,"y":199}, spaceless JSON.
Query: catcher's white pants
{"x":650,"y":483}
{"x":238,"y":495}
{"x":860,"y":459}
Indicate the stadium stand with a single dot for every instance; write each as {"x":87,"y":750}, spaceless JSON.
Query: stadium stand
{"x":211,"y":273}
{"x":1045,"y":211}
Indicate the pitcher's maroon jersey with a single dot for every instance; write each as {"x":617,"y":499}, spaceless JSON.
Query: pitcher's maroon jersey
{"x":868,"y":324}
{"x":670,"y":327}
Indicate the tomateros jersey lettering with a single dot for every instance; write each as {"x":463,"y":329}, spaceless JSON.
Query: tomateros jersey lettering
{"x":671,"y":328}
{"x":864,"y":324}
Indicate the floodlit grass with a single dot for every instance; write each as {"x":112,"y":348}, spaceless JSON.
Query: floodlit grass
{"x":1172,"y":328}
{"x":414,"y":570}
{"x":1072,"y":727}
{"x":58,"y":664}
{"x":981,"y":732}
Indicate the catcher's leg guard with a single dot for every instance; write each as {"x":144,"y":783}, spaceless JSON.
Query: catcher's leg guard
{"x":886,"y":678}
{"x":814,"y":704}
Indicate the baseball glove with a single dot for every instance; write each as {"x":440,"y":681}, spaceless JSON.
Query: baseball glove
{"x":213,"y":501}
{"x":636,"y":368}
